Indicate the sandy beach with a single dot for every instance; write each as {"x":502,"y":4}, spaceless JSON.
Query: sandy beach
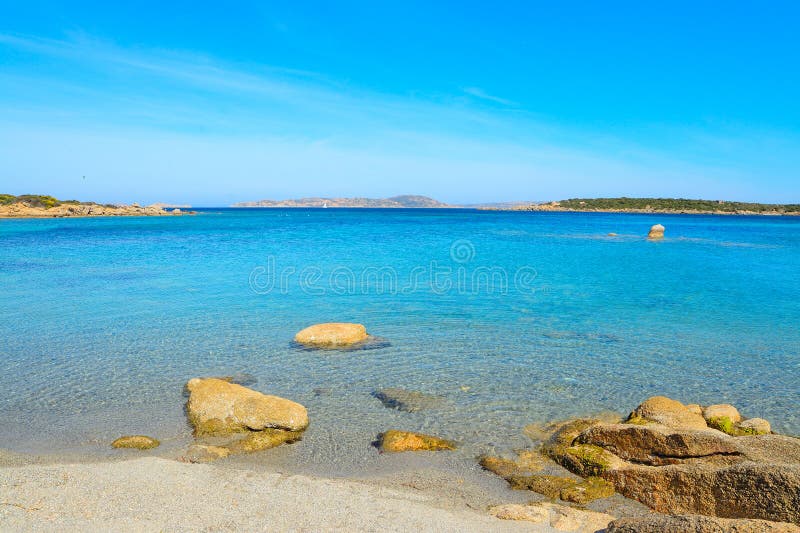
{"x":155,"y":494}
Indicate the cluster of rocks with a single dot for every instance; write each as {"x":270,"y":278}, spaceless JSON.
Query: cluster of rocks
{"x":229,"y":418}
{"x":676,"y":459}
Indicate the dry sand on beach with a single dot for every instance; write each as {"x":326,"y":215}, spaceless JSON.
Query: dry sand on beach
{"x":154,"y":494}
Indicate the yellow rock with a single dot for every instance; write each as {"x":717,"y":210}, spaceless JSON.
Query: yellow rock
{"x":722,"y":409}
{"x":216,"y":407}
{"x":406,"y":441}
{"x":669,"y":412}
{"x":332,"y":334}
{"x":656,"y":232}
{"x":139,"y":442}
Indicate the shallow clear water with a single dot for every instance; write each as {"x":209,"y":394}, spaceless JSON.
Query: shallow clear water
{"x":104,"y":320}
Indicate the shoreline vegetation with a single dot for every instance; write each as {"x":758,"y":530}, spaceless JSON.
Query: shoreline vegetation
{"x":43,"y":206}
{"x":681,"y":206}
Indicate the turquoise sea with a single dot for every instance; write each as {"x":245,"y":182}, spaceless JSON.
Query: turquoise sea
{"x":512,"y":317}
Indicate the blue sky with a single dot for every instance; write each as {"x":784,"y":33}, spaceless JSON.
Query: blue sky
{"x":464,"y":101}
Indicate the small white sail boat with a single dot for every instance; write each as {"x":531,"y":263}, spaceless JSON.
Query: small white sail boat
{"x":324,"y":205}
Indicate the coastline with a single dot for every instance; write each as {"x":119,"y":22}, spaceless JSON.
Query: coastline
{"x":14,"y":211}
{"x":548,"y":209}
{"x":153,"y":493}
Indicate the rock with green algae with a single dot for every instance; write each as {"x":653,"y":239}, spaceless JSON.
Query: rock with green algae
{"x":526,"y":463}
{"x":590,"y":489}
{"x":395,"y":440}
{"x":138,"y":442}
{"x":754,"y":426}
{"x":550,"y":486}
{"x":580,"y":458}
{"x":204,"y":453}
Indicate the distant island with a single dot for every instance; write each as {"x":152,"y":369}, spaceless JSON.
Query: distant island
{"x":395,"y":201}
{"x":43,"y":206}
{"x":660,"y":205}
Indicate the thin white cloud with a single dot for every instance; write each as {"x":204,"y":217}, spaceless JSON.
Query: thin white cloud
{"x":477,"y":92}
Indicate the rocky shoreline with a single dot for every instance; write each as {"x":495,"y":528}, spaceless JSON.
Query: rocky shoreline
{"x":68,"y":210}
{"x":686,"y":467}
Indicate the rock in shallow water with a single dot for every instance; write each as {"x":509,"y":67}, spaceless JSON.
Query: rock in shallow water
{"x":656,"y":232}
{"x":406,"y":441}
{"x":138,"y":442}
{"x":331,"y":335}
{"x":216,"y":407}
{"x":406,"y":400}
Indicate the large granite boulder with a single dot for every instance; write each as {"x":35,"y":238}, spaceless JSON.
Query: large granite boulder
{"x":331,"y":335}
{"x":695,"y":471}
{"x":659,"y":523}
{"x":668,"y":412}
{"x":656,"y":444}
{"x":745,"y":490}
{"x":216,"y":407}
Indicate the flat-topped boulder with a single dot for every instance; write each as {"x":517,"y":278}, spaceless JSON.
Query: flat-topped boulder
{"x":217,"y":407}
{"x":406,"y":441}
{"x":656,"y":444}
{"x":331,"y":335}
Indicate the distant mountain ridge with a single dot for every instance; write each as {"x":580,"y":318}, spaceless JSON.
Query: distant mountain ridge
{"x":406,"y":200}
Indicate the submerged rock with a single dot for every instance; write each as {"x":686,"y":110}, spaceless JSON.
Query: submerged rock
{"x":406,"y":441}
{"x":406,"y":400}
{"x":526,"y":463}
{"x":263,"y":440}
{"x":668,"y":412}
{"x":203,"y":453}
{"x":216,"y":407}
{"x":659,"y":523}
{"x":656,"y":232}
{"x":331,"y":335}
{"x":558,"y":517}
{"x":138,"y":442}
{"x":550,"y":486}
{"x":590,"y":489}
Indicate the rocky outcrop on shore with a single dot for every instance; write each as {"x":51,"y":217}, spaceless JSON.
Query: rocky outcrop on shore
{"x":667,"y":457}
{"x":25,"y":210}
{"x":332,"y":335}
